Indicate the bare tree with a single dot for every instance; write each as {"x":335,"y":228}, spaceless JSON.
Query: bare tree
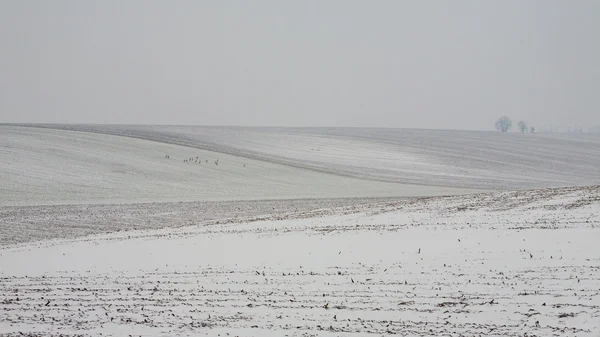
{"x":503,"y":124}
{"x":522,"y":126}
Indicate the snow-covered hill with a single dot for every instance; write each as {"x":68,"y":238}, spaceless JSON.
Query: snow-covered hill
{"x":464,"y":159}
{"x":45,"y":166}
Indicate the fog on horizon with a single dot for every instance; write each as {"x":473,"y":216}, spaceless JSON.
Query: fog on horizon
{"x":418,"y":64}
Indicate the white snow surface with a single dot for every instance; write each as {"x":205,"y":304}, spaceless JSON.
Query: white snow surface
{"x":464,"y":159}
{"x":297,"y":232}
{"x":44,"y":167}
{"x":498,"y":264}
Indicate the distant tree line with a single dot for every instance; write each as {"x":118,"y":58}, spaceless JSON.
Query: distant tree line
{"x":503,"y":124}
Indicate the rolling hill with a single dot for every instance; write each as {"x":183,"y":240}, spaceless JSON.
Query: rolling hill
{"x":45,"y":166}
{"x":463,"y":159}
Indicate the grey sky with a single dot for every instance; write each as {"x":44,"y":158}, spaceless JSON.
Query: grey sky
{"x":424,"y":64}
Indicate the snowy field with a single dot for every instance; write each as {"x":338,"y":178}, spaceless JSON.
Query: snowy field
{"x":500,"y":264}
{"x":46,"y":167}
{"x":297,"y":232}
{"x":463,"y":159}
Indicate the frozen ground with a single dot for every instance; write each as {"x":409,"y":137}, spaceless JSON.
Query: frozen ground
{"x":464,"y":159}
{"x":294,"y":232}
{"x":45,"y":167}
{"x":502,"y":264}
{"x":19,"y":224}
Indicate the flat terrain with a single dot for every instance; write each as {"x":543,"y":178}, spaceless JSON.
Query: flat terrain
{"x":501,"y":264}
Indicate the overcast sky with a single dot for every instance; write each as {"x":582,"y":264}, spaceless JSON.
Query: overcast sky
{"x":419,"y":64}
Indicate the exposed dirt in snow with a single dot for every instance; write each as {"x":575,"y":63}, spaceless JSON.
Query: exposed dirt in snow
{"x":19,"y":224}
{"x":502,"y":264}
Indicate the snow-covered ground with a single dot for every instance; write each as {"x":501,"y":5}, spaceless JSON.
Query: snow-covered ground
{"x":296,"y":232}
{"x":503,"y":264}
{"x":464,"y":159}
{"x":45,"y":167}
